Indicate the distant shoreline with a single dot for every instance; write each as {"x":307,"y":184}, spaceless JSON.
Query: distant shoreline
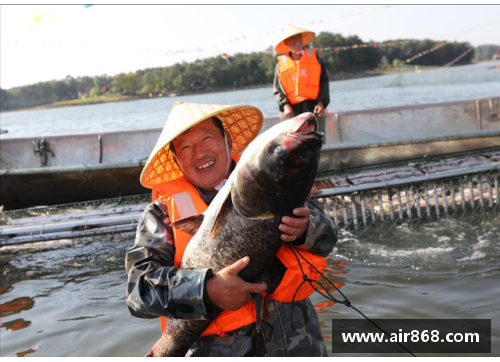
{"x":127,"y":99}
{"x":99,"y":100}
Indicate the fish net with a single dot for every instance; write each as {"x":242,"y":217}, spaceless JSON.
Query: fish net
{"x":379,"y":209}
{"x":96,"y":218}
{"x":372,"y":201}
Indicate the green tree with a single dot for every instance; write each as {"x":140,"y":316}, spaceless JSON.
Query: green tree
{"x":249,"y":69}
{"x":345,"y":63}
{"x":159,"y":84}
{"x":170,"y":74}
{"x":148,"y":81}
{"x":101,"y":81}
{"x":384,"y":64}
{"x":60,"y":91}
{"x":84,"y":84}
{"x":485,"y":52}
{"x":126,"y":83}
{"x":4,"y":99}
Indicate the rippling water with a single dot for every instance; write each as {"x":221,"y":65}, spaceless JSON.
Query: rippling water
{"x":443,"y":269}
{"x":68,"y":299}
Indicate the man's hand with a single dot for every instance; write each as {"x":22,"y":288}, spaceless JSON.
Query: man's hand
{"x":294,"y":227}
{"x":288,"y":110}
{"x":319,"y":109}
{"x":228,"y":291}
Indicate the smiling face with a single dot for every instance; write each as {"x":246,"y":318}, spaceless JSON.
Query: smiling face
{"x":294,"y":42}
{"x":202,"y":154}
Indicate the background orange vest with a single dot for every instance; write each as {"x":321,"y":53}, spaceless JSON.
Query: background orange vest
{"x":300,"y":80}
{"x":183,"y":200}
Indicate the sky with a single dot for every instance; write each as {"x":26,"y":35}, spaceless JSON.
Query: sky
{"x":48,"y":42}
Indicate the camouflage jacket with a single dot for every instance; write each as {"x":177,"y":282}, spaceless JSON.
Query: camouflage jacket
{"x":157,"y":288}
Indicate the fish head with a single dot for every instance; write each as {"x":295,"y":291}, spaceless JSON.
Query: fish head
{"x":277,"y":170}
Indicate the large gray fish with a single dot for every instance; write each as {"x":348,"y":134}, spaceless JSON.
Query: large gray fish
{"x":274,"y":175}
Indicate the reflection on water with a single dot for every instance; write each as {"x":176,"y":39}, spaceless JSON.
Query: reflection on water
{"x":5,"y":289}
{"x":13,"y":307}
{"x":16,"y":306}
{"x":25,"y":353}
{"x":320,"y":307}
{"x":330,"y":283}
{"x":15,"y":325}
{"x":53,"y":294}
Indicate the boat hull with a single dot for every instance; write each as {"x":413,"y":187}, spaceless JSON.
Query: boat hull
{"x":72,"y":168}
{"x":59,"y":186}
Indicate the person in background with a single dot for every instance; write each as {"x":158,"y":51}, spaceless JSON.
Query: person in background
{"x":300,"y":78}
{"x":195,"y":154}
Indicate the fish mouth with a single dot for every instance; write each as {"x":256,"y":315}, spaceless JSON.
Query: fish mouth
{"x":307,"y":128}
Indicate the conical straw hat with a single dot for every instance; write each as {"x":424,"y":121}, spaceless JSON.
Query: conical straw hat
{"x":242,"y":122}
{"x":291,"y":30}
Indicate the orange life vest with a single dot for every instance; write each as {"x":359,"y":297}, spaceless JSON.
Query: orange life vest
{"x":183,"y":200}
{"x":300,"y":80}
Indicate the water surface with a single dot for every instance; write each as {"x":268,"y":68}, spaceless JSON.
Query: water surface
{"x":69,"y":300}
{"x":432,"y":86}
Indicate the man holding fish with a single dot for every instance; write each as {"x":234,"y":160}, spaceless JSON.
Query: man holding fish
{"x":244,"y":295}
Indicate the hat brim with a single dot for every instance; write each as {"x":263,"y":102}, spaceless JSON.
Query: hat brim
{"x":307,"y":37}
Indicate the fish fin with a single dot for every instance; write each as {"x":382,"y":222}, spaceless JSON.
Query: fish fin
{"x":252,"y":211}
{"x":220,"y":201}
{"x":189,"y":224}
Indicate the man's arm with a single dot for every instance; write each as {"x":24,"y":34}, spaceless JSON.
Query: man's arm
{"x":279,"y":93}
{"x":155,"y":286}
{"x":324,"y":85}
{"x":321,"y":234}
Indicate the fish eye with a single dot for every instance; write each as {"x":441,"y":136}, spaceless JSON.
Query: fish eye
{"x":278,"y":150}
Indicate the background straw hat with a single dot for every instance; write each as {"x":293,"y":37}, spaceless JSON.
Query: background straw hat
{"x":291,"y":30}
{"x":242,"y":122}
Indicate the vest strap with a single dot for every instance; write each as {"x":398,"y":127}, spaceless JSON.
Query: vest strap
{"x":184,"y":203}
